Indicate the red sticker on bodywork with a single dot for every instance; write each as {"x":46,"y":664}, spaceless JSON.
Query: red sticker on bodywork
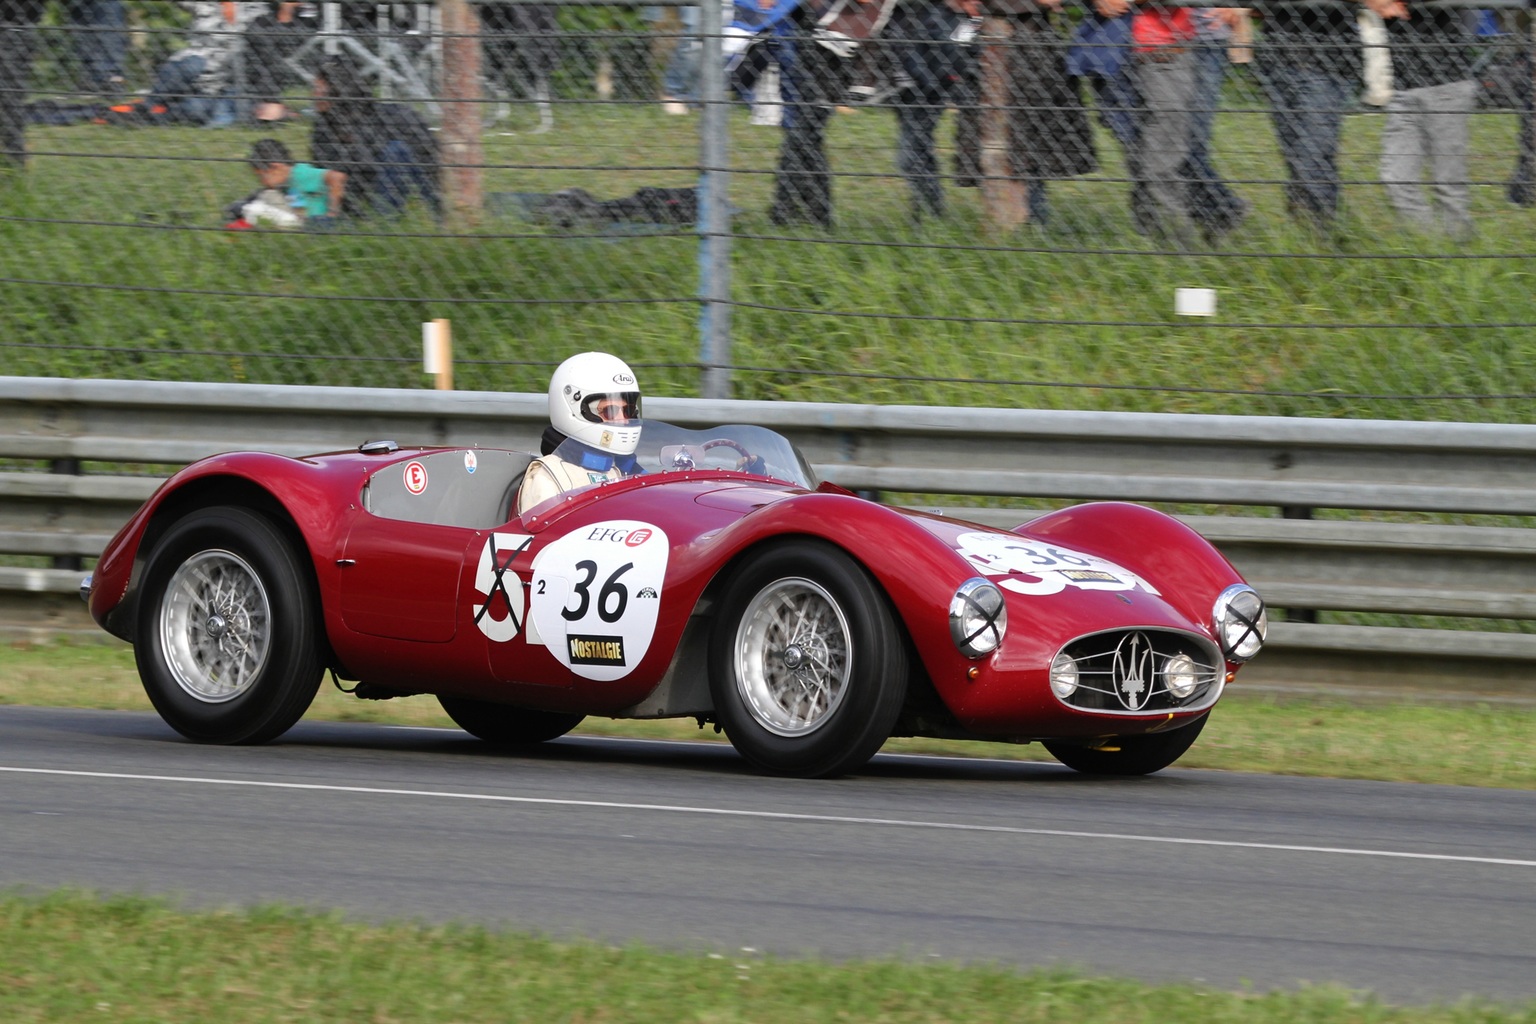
{"x":415,"y":477}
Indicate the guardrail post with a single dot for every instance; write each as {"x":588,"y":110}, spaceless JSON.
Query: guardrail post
{"x":66,"y":467}
{"x":1298,"y":614}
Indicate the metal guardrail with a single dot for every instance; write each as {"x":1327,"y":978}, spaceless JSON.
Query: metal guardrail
{"x":87,"y":452}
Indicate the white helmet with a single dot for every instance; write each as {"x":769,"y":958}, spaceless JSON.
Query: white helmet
{"x":578,"y":391}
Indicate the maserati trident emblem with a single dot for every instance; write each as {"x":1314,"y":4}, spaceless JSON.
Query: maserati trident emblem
{"x":1133,"y":671}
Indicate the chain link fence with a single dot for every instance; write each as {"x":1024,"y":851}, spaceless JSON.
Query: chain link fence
{"x":1282,"y":209}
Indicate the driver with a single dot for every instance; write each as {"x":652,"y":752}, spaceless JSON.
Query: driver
{"x":595,"y":403}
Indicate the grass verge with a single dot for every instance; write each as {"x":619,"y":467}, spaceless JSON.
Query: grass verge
{"x":1463,"y":745}
{"x":69,"y":957}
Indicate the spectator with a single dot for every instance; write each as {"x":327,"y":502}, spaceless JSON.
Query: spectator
{"x":1309,"y":63}
{"x":1429,"y":115}
{"x":1521,"y":187}
{"x":18,"y":40}
{"x":196,"y":84}
{"x":386,"y":150}
{"x":1103,"y":53}
{"x":101,"y":43}
{"x":680,"y":81}
{"x":271,"y":40}
{"x":1048,"y":131}
{"x":1215,"y":207}
{"x":1165,"y":80}
{"x":813,"y":81}
{"x":918,"y":34}
{"x":520,"y":42}
{"x":311,"y":192}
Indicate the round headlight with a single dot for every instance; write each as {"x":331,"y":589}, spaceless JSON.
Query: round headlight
{"x":978,"y":617}
{"x":1240,"y":621}
{"x":1181,"y":675}
{"x":1064,"y":675}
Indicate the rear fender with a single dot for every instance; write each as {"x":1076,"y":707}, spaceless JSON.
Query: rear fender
{"x":304,"y":516}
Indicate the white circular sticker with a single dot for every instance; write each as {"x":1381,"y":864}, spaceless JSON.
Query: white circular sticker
{"x":415,"y":477}
{"x":1030,"y":567}
{"x":596,"y":594}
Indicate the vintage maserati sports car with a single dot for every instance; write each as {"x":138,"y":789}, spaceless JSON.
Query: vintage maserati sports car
{"x":722,"y":584}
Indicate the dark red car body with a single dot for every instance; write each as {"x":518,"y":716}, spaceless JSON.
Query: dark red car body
{"x":424,"y":582}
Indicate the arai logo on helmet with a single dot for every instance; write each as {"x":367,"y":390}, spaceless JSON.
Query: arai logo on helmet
{"x":623,"y":378}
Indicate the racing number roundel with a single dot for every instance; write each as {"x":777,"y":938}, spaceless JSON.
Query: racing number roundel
{"x":1029,"y":567}
{"x":596,"y":593}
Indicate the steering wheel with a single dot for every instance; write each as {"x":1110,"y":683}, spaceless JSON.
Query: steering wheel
{"x":749,"y":463}
{"x":725,"y":442}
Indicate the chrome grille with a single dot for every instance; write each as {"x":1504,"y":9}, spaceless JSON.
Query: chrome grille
{"x":1123,"y":671}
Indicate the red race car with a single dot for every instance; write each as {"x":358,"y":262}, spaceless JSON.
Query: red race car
{"x":720,"y":583}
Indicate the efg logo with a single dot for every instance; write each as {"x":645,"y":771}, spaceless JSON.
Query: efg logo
{"x":596,"y":650}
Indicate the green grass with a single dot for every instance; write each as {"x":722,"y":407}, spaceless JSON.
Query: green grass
{"x":1465,"y":745}
{"x":138,"y":280}
{"x":68,"y":957}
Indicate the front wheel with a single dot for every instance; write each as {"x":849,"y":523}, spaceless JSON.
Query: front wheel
{"x":228,"y":643}
{"x":504,"y":725}
{"x":1128,"y":755}
{"x":808,"y":669}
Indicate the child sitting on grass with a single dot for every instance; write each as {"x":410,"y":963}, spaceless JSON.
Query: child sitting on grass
{"x":292,"y":194}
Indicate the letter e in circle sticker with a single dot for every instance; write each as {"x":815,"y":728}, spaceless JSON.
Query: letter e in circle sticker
{"x":415,"y":477}
{"x":596,"y":595}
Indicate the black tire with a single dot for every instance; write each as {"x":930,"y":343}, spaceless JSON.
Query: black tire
{"x":504,"y":725}
{"x":228,"y":640}
{"x":1135,"y":755}
{"x":841,"y":647}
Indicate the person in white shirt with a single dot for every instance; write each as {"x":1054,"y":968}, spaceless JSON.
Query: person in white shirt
{"x":594,"y":418}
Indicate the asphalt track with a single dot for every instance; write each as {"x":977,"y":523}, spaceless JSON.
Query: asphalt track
{"x":1414,"y":893}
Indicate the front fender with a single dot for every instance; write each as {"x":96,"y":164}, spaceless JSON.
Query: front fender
{"x":1185,"y":567}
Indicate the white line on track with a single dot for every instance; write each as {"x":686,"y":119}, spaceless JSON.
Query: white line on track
{"x":825,"y":819}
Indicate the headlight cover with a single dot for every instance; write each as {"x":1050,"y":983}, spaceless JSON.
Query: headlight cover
{"x":1181,"y":675}
{"x":1064,"y":675}
{"x":978,"y":617}
{"x":1240,"y":621}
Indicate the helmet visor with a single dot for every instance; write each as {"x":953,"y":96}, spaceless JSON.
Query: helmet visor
{"x":615,"y":408}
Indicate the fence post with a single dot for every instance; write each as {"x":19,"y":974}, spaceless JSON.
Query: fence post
{"x":462,"y":148}
{"x":714,"y":214}
{"x":1003,"y":192}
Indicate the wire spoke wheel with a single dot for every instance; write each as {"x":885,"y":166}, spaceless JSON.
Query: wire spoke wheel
{"x":215,"y":626}
{"x":228,"y":642}
{"x":793,"y":657}
{"x":808,"y":666}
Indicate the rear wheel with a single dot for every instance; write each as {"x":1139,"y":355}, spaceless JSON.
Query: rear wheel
{"x":504,"y":725}
{"x":1129,"y":755}
{"x":807,"y":666}
{"x":228,"y":641}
